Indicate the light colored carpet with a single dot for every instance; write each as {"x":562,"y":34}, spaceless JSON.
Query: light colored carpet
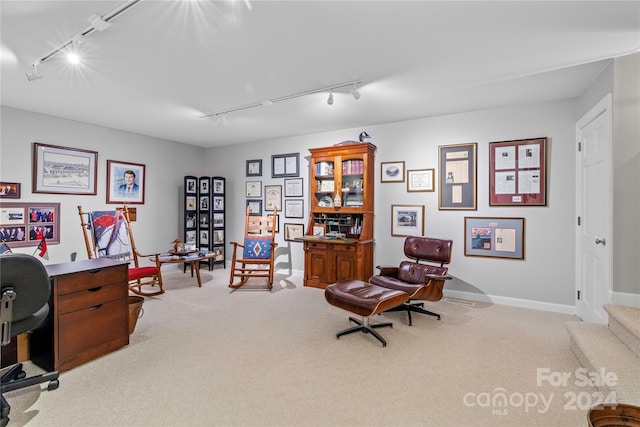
{"x":213,"y":356}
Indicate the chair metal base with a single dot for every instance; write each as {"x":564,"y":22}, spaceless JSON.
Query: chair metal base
{"x":14,"y":379}
{"x":367,"y":328}
{"x":415,"y":307}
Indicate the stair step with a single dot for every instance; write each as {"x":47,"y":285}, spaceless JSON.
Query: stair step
{"x":624,"y":322}
{"x":598,"y":348}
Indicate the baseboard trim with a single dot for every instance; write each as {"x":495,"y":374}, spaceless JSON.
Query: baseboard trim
{"x":626,"y":299}
{"x":515,"y":302}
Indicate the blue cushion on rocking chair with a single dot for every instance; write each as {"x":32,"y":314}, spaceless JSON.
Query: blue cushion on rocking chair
{"x":258,"y":247}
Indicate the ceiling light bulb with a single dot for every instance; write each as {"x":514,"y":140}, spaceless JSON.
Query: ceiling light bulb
{"x":73,"y":58}
{"x":330,"y":99}
{"x":354,"y":92}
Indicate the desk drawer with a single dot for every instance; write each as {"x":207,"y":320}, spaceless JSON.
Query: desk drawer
{"x":92,"y":297}
{"x":88,"y":333}
{"x":90,"y":279}
{"x":343,"y":248}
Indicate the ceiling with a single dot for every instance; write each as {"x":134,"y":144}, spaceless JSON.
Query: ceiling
{"x":163,"y":65}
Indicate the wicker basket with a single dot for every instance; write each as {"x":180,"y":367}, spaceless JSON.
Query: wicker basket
{"x":135,"y":311}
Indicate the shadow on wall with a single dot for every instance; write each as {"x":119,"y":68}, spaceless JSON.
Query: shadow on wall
{"x":282,"y":266}
{"x":456,"y":287}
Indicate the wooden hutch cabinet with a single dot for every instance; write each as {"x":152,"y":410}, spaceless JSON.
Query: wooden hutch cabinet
{"x":338,"y":244}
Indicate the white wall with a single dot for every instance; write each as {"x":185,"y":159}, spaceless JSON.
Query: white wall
{"x":620,"y":78}
{"x":545,"y":279}
{"x":626,"y":175}
{"x":166,"y":164}
{"x":546,"y":275}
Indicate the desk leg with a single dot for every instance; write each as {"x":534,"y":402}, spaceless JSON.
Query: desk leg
{"x":196,"y":264}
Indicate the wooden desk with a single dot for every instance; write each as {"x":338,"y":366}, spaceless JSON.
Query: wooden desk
{"x":88,"y":314}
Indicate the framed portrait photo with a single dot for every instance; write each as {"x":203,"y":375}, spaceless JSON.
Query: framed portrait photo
{"x":190,"y":185}
{"x":9,"y":190}
{"x":125,"y":182}
{"x":392,"y":172}
{"x":63,"y":170}
{"x":218,"y":185}
{"x":407,"y":220}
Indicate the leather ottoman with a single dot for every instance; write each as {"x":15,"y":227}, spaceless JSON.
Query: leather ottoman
{"x":365,"y":300}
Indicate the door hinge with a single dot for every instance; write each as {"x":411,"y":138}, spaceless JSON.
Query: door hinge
{"x":579,"y":146}
{"x":578,"y":295}
{"x":578,"y":220}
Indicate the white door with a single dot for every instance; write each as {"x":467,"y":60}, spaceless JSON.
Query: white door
{"x":594,"y":206}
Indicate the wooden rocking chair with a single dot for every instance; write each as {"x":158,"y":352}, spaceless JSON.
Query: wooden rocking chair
{"x":257,"y":256}
{"x":108,"y":234}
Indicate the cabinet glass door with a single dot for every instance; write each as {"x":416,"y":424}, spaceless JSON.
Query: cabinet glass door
{"x":325,"y":183}
{"x":353,"y":183}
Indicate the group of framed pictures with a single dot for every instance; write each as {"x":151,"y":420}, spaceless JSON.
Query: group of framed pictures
{"x":269,"y":197}
{"x":26,"y":224}
{"x":65,"y":170}
{"x":517,"y":172}
{"x":517,"y":177}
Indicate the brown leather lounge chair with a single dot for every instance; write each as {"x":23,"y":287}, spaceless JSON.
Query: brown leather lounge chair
{"x":422,"y":281}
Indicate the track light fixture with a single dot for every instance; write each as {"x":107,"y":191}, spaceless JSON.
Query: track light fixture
{"x":35,"y":75}
{"x":97,"y":24}
{"x":354,"y":91}
{"x":272,"y":101}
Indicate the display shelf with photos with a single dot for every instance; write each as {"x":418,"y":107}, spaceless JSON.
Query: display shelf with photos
{"x":204,"y":217}
{"x":204,"y":207}
{"x":341,"y":205}
{"x":218,"y":220}
{"x":191,"y":220}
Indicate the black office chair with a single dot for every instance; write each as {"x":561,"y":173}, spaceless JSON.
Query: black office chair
{"x":24,"y":295}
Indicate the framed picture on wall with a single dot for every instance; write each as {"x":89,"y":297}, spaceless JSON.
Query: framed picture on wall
{"x":285,"y":165}
{"x":517,"y":173}
{"x":26,"y":224}
{"x":494,"y":237}
{"x":272,"y":197}
{"x":254,"y":167}
{"x":407,"y":220}
{"x":293,"y":231}
{"x":457,"y":179}
{"x":64,"y":170}
{"x":392,"y":172}
{"x":293,"y":187}
{"x":9,"y":190}
{"x":125,"y":182}
{"x":420,"y":180}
